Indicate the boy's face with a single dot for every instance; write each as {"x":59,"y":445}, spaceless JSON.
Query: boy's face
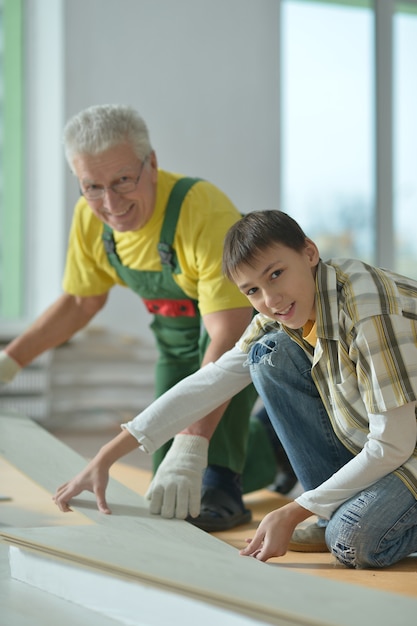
{"x":280,"y":283}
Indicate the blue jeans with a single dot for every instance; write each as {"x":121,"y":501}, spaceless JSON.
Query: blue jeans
{"x":375,"y":528}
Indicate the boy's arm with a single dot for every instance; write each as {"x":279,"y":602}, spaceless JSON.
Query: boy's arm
{"x":175,"y":490}
{"x":390,"y":443}
{"x":95,"y":476}
{"x":224,"y":328}
{"x":191,"y":399}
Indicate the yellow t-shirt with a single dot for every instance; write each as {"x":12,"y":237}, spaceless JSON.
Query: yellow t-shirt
{"x":310,"y":333}
{"x":205,"y":217}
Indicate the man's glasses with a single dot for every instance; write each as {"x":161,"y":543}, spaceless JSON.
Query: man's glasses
{"x":124,"y":185}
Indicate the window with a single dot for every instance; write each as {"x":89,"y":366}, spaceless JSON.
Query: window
{"x":349,"y":129}
{"x":405,"y":139}
{"x":11,"y":192}
{"x":327,"y":124}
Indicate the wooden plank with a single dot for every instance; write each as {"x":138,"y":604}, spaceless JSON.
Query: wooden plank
{"x":175,"y":556}
{"x":399,"y":578}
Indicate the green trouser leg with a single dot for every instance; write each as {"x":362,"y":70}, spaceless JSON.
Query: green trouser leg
{"x":238,"y":442}
{"x":260,"y":466}
{"x":228,"y":445}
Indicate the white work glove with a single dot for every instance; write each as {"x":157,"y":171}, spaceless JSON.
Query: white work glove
{"x":175,"y":490}
{"x":8,"y":368}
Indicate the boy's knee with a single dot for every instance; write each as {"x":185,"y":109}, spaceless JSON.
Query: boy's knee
{"x":351,"y":553}
{"x":267,"y":349}
{"x":350,"y":542}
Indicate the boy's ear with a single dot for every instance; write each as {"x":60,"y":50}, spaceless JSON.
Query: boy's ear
{"x":312,"y":252}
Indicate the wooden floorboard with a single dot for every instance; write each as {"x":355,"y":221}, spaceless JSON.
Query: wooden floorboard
{"x":288,"y":594}
{"x":30,"y":502}
{"x":400,"y":578}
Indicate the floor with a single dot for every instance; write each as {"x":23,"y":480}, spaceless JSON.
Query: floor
{"x":135,"y":473}
{"x":88,"y":413}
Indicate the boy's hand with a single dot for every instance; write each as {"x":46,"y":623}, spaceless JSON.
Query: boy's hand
{"x":93,"y":478}
{"x":275,"y":531}
{"x":9,"y":368}
{"x":175,"y":490}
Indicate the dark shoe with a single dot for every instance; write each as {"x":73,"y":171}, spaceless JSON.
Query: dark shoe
{"x":222,"y":506}
{"x":308,"y":539}
{"x":219,"y":511}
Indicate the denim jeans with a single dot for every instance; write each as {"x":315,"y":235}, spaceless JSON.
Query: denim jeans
{"x":375,"y":528}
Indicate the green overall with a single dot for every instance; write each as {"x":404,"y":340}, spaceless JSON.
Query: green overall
{"x":180,"y":340}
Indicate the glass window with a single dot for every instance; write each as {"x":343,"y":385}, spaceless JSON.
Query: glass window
{"x":405,"y":139}
{"x":2,"y":229}
{"x":11,"y":189}
{"x":328,"y":124}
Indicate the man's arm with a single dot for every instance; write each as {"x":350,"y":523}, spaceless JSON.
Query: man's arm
{"x":66,"y":316}
{"x":225,"y":328}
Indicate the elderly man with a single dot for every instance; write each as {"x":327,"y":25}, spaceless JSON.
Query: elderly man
{"x":161,"y":235}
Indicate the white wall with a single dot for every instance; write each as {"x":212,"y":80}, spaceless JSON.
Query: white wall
{"x":204,"y":75}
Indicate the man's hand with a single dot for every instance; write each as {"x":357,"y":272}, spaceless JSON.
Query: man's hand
{"x":9,"y":368}
{"x":275,"y":531}
{"x":93,"y":478}
{"x":175,"y":490}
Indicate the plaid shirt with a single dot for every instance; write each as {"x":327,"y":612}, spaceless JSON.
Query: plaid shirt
{"x":365,"y":359}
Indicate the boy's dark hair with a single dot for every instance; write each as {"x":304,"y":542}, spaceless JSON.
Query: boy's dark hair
{"x":255,"y":232}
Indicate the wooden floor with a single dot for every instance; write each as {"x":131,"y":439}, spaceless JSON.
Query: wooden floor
{"x":30,"y":503}
{"x":401,"y":578}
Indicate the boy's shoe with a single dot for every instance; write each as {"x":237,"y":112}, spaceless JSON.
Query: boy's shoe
{"x":309,"y":539}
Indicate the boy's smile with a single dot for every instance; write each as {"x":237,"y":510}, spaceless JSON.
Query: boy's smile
{"x":280,"y":283}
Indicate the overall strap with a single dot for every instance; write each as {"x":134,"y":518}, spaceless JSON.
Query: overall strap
{"x":175,"y":200}
{"x":110,"y":245}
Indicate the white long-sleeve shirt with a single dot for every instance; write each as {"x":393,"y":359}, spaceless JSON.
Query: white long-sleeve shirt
{"x":391,"y":439}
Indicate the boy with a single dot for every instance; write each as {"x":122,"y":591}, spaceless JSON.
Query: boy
{"x":333,"y":355}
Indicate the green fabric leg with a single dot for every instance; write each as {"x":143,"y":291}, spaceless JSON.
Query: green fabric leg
{"x":228,"y":446}
{"x":260,"y":464}
{"x":237,"y":442}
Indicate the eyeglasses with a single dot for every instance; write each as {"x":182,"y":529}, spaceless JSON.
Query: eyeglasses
{"x":124,"y":185}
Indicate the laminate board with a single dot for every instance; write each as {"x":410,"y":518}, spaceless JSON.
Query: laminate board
{"x":175,"y":556}
{"x":399,"y":578}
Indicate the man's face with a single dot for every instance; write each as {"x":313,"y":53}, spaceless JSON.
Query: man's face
{"x":280,"y":283}
{"x":111,"y":170}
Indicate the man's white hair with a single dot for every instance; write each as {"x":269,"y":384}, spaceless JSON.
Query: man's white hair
{"x":104,"y":126}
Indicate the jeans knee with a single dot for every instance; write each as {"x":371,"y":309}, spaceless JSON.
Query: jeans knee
{"x":284,"y":358}
{"x":261,"y":352}
{"x":350,"y":538}
{"x":350,"y":554}
{"x":273,"y":349}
